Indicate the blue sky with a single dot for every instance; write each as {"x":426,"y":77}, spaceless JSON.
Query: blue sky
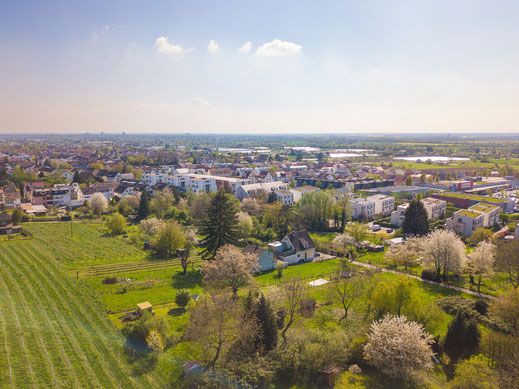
{"x":311,"y":66}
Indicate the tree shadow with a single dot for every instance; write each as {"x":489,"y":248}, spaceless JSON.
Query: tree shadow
{"x":176,"y":312}
{"x":188,"y":281}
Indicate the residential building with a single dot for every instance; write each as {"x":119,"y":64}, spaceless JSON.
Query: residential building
{"x":363,"y":209}
{"x":286,"y":197}
{"x":384,"y":205}
{"x":398,"y":215}
{"x":265,"y":258}
{"x":294,"y":248}
{"x":464,"y":222}
{"x":300,"y":191}
{"x":463,"y":200}
{"x":435,"y":208}
{"x":245,"y":191}
{"x":490,"y":213}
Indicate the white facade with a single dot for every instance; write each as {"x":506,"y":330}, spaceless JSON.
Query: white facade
{"x":285,"y":197}
{"x":300,"y":191}
{"x":435,"y":208}
{"x":464,"y":222}
{"x":245,"y":191}
{"x":363,"y":209}
{"x":398,"y":216}
{"x":384,"y":205}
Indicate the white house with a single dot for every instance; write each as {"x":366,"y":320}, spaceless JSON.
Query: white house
{"x":245,"y":191}
{"x":295,"y":247}
{"x":435,"y":208}
{"x":363,"y":209}
{"x":285,"y":197}
{"x":464,"y":222}
{"x":384,"y":205}
{"x":300,"y":191}
{"x":398,"y":215}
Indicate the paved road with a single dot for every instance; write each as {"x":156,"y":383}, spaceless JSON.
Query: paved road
{"x":442,"y":284}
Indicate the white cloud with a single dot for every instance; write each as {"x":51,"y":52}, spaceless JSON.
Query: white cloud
{"x":199,"y":102}
{"x":213,"y":47}
{"x":245,"y":48}
{"x":163,"y":46}
{"x":277,"y":48}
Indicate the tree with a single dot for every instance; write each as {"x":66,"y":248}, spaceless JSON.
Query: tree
{"x":17,"y":216}
{"x":316,"y":209}
{"x":198,"y":207}
{"x":473,"y":373}
{"x":216,"y":322}
{"x":481,"y":261}
{"x":144,"y":206}
{"x":480,"y":235}
{"x":245,"y":225}
{"x":443,"y":251}
{"x":220,"y":227}
{"x":116,"y":224}
{"x":155,"y":342}
{"x":462,"y":337}
{"x":293,"y":292}
{"x":415,"y":219}
{"x":98,"y":203}
{"x":404,"y":254}
{"x":151,"y":226}
{"x":182,"y":298}
{"x":347,"y":286}
{"x":169,"y":238}
{"x":409,"y":180}
{"x":278,"y":216}
{"x":398,"y":347}
{"x":507,"y":260}
{"x":263,"y":314}
{"x":230,"y":269}
{"x":507,"y":309}
{"x":344,"y":240}
{"x":161,"y":204}
{"x":357,"y":230}
{"x":390,"y":297}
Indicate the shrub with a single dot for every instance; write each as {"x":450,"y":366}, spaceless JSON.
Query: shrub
{"x":280,"y":267}
{"x":307,"y":309}
{"x":110,"y":280}
{"x":182,"y":298}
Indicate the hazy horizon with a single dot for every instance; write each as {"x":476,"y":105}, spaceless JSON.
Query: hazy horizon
{"x":333,"y":67}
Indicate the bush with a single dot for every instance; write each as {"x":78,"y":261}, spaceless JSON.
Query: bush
{"x":307,"y":309}
{"x":182,"y":298}
{"x":110,"y":280}
{"x":430,"y":275}
{"x":280,"y":267}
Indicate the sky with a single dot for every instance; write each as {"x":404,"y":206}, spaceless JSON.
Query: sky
{"x":259,"y":67}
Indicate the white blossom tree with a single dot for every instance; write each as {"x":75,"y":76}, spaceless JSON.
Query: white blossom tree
{"x":481,"y":261}
{"x":444,"y":252}
{"x":229,"y":269}
{"x":398,"y":347}
{"x":344,"y":240}
{"x":405,"y":254}
{"x":151,"y":226}
{"x":98,"y":203}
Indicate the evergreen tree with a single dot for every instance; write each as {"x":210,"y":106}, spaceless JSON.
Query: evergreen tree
{"x":76,"y":178}
{"x":144,"y":206}
{"x":462,"y":338}
{"x":415,"y":219}
{"x":267,"y":336}
{"x":220,"y":226}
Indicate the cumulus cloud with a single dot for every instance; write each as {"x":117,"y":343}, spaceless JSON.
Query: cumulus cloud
{"x":245,"y":48}
{"x":213,"y":47}
{"x":163,"y":46}
{"x":277,"y":48}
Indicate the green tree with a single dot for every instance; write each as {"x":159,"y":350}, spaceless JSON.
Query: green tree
{"x":116,"y":224}
{"x":220,"y":227}
{"x":182,"y":298}
{"x":415,"y":219}
{"x":17,"y":216}
{"x":262,"y":311}
{"x":473,"y":374}
{"x":144,"y":206}
{"x":462,"y":338}
{"x":169,"y":238}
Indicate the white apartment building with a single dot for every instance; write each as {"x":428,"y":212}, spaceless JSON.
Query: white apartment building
{"x":466,"y":221}
{"x":398,"y":216}
{"x":284,"y":196}
{"x":153,"y":178}
{"x":363,"y":209}
{"x":435,"y":208}
{"x":247,"y":190}
{"x":300,"y":191}
{"x":384,"y":205}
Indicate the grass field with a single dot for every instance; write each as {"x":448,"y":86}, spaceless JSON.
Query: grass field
{"x":52,"y":333}
{"x":86,"y":246}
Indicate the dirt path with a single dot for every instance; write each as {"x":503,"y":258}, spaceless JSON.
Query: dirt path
{"x":442,"y":284}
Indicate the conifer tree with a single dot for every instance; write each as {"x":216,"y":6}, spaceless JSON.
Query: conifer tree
{"x":415,"y":219}
{"x":462,"y":338}
{"x":267,"y":336}
{"x":220,"y":226}
{"x":144,"y":206}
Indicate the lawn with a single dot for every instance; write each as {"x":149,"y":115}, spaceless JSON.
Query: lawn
{"x":53,"y":333}
{"x":79,"y":244}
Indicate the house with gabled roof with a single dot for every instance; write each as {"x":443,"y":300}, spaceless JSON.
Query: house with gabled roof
{"x":295,"y":247}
